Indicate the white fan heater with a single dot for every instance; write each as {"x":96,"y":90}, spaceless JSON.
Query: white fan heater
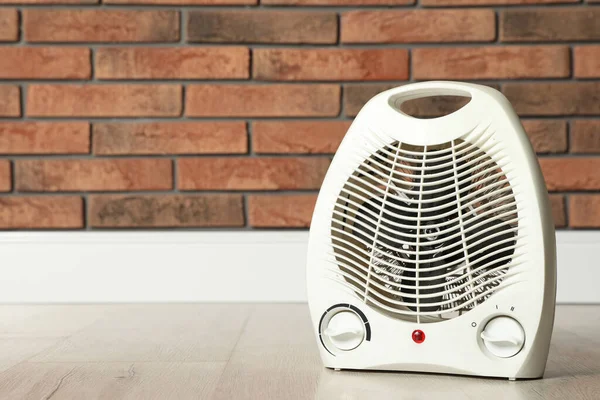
{"x":432,"y":244}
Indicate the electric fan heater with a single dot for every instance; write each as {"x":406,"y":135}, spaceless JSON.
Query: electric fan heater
{"x":432,"y":243}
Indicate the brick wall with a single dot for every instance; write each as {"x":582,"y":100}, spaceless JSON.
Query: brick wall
{"x":225,"y":113}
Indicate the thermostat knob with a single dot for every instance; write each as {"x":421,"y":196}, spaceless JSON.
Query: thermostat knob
{"x":503,"y":337}
{"x":345,"y":330}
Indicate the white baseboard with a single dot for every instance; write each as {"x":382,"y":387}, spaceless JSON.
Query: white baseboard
{"x":256,"y":266}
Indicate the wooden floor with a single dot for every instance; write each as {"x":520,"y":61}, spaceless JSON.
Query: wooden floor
{"x":201,"y":351}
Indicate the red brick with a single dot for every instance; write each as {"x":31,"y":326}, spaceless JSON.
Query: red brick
{"x":47,"y":2}
{"x":571,"y":174}
{"x":44,"y":63}
{"x":418,"y":26}
{"x":10,"y":101}
{"x":338,"y":2}
{"x":262,"y":26}
{"x":547,"y":136}
{"x":5,"y":176}
{"x":100,"y":25}
{"x":356,"y":96}
{"x":330,"y":64}
{"x":560,"y":98}
{"x":557,"y":202}
{"x":41,"y":212}
{"x":185,"y":2}
{"x":584,"y":211}
{"x":9,"y":25}
{"x":104,"y":100}
{"x":44,"y":137}
{"x":173,"y":63}
{"x":587,"y":61}
{"x":585,"y":136}
{"x":491,"y":62}
{"x":93,"y":175}
{"x":436,"y":3}
{"x":170,"y":138}
{"x":550,"y":25}
{"x":251,"y":173}
{"x":298,"y":136}
{"x":262,"y":100}
{"x":166,"y":211}
{"x":287,"y":211}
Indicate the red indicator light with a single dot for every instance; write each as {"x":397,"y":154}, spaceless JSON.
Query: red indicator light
{"x":418,"y":336}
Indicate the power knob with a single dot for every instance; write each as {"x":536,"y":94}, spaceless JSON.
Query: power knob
{"x":503,"y":337}
{"x":345,"y":330}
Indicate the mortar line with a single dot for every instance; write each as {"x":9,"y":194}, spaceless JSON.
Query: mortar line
{"x":92,"y":64}
{"x":566,"y":204}
{"x":200,"y":120}
{"x":13,"y":182}
{"x":255,"y":82}
{"x":294,"y":8}
{"x":250,"y":138}
{"x":85,"y":211}
{"x":246,"y":211}
{"x":345,"y":45}
{"x":182,"y":26}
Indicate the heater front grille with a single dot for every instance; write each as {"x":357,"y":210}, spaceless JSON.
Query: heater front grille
{"x":426,"y":233}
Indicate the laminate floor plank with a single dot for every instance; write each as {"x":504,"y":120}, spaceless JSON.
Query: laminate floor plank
{"x":275,"y":358}
{"x":48,"y":320}
{"x":155,"y":332}
{"x":109,"y":381}
{"x":16,"y":350}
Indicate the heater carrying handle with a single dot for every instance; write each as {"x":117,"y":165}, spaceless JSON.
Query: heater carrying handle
{"x":478,"y":95}
{"x":385,"y":109}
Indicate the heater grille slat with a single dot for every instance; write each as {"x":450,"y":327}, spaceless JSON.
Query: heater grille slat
{"x":378,"y":162}
{"x":392,"y":286}
{"x":389,"y":230}
{"x":476,"y":141}
{"x":410,"y":218}
{"x":378,"y":225}
{"x":427,"y":233}
{"x":494,"y":274}
{"x":359,"y":227}
{"x":418,"y":238}
{"x":459,"y":203}
{"x":349,"y":201}
{"x":444,"y":188}
{"x":488,"y":250}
